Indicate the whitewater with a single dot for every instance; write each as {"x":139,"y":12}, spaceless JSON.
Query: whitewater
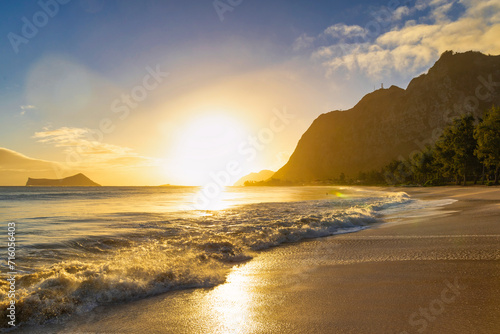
{"x":78,"y":248}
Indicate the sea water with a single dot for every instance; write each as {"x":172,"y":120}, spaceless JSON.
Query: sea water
{"x":77,"y":248}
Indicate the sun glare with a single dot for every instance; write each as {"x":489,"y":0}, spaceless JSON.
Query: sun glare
{"x":206,"y":144}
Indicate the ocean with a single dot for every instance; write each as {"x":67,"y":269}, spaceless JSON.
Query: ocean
{"x":78,"y":248}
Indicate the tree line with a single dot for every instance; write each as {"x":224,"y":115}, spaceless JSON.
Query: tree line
{"x":467,"y":151}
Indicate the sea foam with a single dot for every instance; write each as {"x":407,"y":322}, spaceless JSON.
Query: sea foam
{"x":164,"y":255}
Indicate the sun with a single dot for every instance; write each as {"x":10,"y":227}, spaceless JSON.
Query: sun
{"x":205,"y":144}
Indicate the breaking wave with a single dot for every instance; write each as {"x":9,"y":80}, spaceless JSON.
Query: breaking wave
{"x":77,"y":275}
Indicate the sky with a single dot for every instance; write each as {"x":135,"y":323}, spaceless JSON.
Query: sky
{"x":189,"y":92}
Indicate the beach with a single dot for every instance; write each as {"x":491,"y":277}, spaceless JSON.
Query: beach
{"x":424,"y":272}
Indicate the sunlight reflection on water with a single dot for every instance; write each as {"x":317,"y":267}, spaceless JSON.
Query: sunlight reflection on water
{"x":228,"y":307}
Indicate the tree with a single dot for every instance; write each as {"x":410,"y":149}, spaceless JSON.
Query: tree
{"x":423,"y":165}
{"x":455,"y":148}
{"x":397,"y":172}
{"x":487,"y":134}
{"x":444,"y":153}
{"x":342,"y":177}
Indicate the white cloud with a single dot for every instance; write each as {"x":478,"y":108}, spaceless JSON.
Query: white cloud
{"x":84,"y":148}
{"x":338,"y":32}
{"x":411,"y":35}
{"x":401,"y":12}
{"x":343,"y":31}
{"x":303,"y":42}
{"x":440,"y":10}
{"x":421,"y":4}
{"x":413,"y":47}
{"x":26,"y":108}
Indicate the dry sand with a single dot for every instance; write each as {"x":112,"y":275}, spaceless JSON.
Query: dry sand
{"x":427,"y":274}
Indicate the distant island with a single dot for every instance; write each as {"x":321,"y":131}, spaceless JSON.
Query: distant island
{"x":255,"y":177}
{"x":78,"y":180}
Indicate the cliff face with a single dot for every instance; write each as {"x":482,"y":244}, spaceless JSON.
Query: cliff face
{"x":78,"y":180}
{"x":392,"y":123}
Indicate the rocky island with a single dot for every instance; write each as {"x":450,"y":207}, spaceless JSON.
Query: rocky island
{"x":78,"y":180}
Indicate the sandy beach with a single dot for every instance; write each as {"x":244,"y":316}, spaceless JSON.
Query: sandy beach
{"x":433,"y":272}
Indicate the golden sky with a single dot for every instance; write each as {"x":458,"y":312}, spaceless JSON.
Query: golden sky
{"x":187,"y":97}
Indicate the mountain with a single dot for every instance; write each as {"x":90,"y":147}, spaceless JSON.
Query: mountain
{"x":394,"y":123}
{"x":14,"y":161}
{"x":78,"y":180}
{"x":255,"y":177}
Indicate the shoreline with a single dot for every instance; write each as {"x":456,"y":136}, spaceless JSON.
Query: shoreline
{"x":373,"y":281}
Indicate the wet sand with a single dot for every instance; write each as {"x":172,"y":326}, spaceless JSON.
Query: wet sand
{"x":425,"y":274}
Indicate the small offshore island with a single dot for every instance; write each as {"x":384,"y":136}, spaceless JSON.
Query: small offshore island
{"x":78,"y":180}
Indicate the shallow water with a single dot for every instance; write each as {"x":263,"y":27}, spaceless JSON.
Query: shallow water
{"x":78,"y":248}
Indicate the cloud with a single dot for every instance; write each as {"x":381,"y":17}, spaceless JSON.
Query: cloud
{"x":303,"y":42}
{"x":401,"y":12}
{"x":26,"y":108}
{"x":11,"y":161}
{"x":440,"y":10}
{"x":336,"y":32}
{"x":410,"y":48}
{"x":343,"y":31}
{"x":83,"y":148}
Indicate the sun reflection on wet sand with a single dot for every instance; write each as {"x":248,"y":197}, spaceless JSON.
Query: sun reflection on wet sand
{"x":229,"y":308}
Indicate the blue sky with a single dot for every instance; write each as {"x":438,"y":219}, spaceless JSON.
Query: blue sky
{"x":105,"y":34}
{"x":309,"y":57}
